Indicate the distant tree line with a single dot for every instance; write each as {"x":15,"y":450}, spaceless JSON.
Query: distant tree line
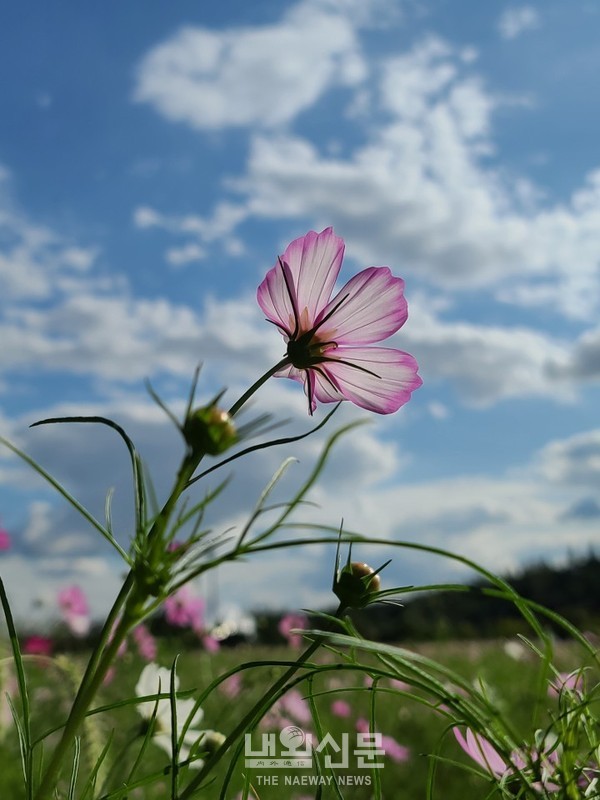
{"x":573,"y":591}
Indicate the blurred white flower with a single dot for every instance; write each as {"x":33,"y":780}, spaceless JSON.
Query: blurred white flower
{"x":157,"y":680}
{"x":515,"y":650}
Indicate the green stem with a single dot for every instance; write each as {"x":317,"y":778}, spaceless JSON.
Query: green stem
{"x":133,"y":597}
{"x":94,"y":675}
{"x":255,"y":386}
{"x":251,"y":717}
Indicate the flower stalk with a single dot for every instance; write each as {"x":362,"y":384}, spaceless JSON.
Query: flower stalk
{"x":249,"y":720}
{"x":146,"y":579}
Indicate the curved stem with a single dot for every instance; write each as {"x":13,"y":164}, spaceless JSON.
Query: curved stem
{"x":255,"y":386}
{"x":132,"y":597}
{"x":251,"y":717}
{"x":94,"y":675}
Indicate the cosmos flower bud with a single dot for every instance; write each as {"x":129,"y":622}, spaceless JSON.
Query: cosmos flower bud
{"x":209,"y":430}
{"x":355,"y":584}
{"x":210,"y":741}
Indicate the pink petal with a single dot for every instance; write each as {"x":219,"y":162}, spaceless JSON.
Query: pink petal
{"x":341,"y":708}
{"x":373,"y":309}
{"x":391,"y":377}
{"x":314,"y":262}
{"x":394,"y":750}
{"x":481,"y":751}
{"x":5,"y":540}
{"x":294,"y":704}
{"x":211,"y":645}
{"x":38,"y":646}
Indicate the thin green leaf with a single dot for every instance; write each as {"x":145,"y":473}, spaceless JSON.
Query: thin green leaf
{"x":68,"y":497}
{"x":138,"y":485}
{"x":74,"y":769}
{"x":263,"y":497}
{"x":21,"y":736}
{"x":174,"y":737}
{"x":310,"y":481}
{"x":262,"y":446}
{"x":161,"y":404}
{"x":25,"y":729}
{"x":90,"y":784}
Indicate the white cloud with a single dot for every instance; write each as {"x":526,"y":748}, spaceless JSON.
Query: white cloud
{"x":196,"y":229}
{"x":121,"y":338}
{"x":574,"y":461}
{"x":33,"y":259}
{"x":425,"y":183}
{"x":32,"y":586}
{"x":180,"y":256}
{"x":515,"y":21}
{"x":485,"y":363}
{"x":95,"y":327}
{"x":438,"y":410}
{"x":585,"y":362}
{"x":262,"y":75}
{"x":425,"y":189}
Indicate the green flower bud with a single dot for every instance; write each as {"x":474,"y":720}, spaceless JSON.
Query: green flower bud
{"x":209,"y":430}
{"x":355,"y":584}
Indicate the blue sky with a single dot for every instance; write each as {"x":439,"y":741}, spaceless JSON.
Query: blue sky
{"x":154,"y":159}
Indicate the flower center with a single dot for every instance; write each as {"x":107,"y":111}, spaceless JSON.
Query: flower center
{"x":307,"y":350}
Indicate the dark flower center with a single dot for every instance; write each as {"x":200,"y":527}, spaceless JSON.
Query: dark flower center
{"x":306,"y":351}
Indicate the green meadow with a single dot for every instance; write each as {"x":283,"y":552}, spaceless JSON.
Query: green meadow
{"x":432,"y":765}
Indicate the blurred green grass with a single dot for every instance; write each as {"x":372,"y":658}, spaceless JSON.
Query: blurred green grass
{"x":513,"y":685}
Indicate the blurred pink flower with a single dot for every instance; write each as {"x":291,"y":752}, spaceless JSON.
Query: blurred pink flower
{"x":231,"y":686}
{"x":288,"y":623}
{"x":38,"y":646}
{"x":566,"y":681}
{"x":185,"y":609}
{"x":401,"y":686}
{"x":291,"y":709}
{"x":75,"y":609}
{"x":329,"y":341}
{"x":482,"y":752}
{"x":145,"y":642}
{"x":210,"y":644}
{"x":110,"y":676}
{"x":294,"y":704}
{"x":485,"y":754}
{"x":5,"y":540}
{"x":340,"y":708}
{"x":393,"y":749}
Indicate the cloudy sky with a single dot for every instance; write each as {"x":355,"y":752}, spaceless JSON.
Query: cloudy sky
{"x":154,"y":160}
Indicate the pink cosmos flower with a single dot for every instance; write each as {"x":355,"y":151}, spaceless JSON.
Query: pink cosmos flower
{"x":328,"y":340}
{"x":288,"y":623}
{"x":210,"y":644}
{"x":231,"y":686}
{"x":291,"y":709}
{"x":75,"y":609}
{"x":145,"y":642}
{"x":485,"y":754}
{"x":184,"y":609}
{"x":482,"y":752}
{"x":38,"y":646}
{"x":341,"y":708}
{"x":294,"y":704}
{"x":566,"y":681}
{"x":393,"y":749}
{"x":5,"y":540}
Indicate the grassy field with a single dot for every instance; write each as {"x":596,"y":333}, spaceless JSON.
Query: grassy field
{"x":513,"y":684}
